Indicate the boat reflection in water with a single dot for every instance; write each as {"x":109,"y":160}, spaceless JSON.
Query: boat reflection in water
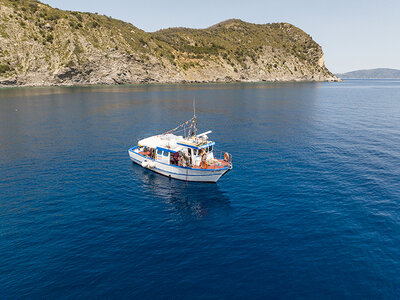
{"x":189,"y":199}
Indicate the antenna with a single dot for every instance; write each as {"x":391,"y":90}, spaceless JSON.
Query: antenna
{"x":194,"y":117}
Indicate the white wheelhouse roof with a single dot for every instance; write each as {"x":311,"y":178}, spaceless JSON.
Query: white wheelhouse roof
{"x":174,"y":142}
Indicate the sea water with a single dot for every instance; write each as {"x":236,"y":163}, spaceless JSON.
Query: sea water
{"x":311,"y":208}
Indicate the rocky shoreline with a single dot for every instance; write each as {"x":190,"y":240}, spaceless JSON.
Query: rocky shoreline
{"x":13,"y":84}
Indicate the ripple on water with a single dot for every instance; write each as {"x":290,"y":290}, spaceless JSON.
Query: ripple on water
{"x":309,"y":210}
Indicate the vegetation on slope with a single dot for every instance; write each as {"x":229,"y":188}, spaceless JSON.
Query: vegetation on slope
{"x":235,"y":40}
{"x":38,"y":39}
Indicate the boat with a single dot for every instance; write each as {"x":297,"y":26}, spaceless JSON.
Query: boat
{"x":188,"y":157}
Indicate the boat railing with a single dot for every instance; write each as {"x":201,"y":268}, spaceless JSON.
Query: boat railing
{"x":223,"y":155}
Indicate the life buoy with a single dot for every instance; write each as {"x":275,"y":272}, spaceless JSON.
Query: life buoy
{"x":227,"y":157}
{"x":204,"y":164}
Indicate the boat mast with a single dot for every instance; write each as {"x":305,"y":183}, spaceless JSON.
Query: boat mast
{"x":194,"y":107}
{"x":194,"y":117}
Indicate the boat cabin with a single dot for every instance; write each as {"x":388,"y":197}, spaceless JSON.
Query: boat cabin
{"x":164,"y":155}
{"x":176,"y":150}
{"x":197,"y":153}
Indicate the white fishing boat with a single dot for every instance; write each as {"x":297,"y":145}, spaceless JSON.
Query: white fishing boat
{"x":189,"y":157}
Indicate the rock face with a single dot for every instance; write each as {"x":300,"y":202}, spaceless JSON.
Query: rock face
{"x":40,"y":45}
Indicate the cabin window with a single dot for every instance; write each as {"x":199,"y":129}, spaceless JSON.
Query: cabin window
{"x":159,"y":152}
{"x":165,"y":153}
{"x":190,"y":151}
{"x":210,"y":149}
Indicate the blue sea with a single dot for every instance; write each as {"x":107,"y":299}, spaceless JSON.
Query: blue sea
{"x":310,"y":210}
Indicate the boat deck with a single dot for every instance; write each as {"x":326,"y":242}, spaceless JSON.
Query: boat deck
{"x":214,"y":167}
{"x":147,"y":153}
{"x":209,"y":167}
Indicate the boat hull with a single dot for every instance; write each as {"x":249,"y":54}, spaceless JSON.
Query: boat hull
{"x":177,"y":172}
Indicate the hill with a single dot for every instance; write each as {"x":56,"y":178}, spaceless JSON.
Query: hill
{"x":380,"y":73}
{"x":40,"y":45}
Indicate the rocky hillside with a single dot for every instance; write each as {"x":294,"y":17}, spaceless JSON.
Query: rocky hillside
{"x":40,"y":45}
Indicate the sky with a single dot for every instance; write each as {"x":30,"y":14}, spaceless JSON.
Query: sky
{"x":354,"y":34}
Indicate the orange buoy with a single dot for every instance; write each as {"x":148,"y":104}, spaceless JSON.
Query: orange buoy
{"x":204,"y":164}
{"x":227,"y":157}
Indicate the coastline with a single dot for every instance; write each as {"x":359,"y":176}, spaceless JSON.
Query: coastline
{"x":139,"y":83}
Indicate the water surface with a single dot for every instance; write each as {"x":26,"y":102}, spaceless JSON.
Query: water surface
{"x":311,"y":208}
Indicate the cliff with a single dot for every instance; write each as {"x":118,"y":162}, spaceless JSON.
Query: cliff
{"x":40,"y":45}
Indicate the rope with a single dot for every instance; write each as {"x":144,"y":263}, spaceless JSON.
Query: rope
{"x":192,"y":128}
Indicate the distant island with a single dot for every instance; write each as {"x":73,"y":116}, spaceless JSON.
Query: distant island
{"x":379,"y":73}
{"x":41,"y":46}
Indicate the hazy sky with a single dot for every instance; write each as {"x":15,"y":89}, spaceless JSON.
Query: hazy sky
{"x":354,"y":34}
